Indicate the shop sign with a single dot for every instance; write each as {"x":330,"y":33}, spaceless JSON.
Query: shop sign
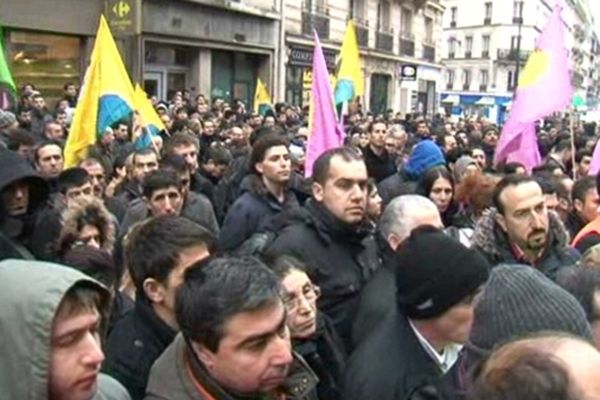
{"x":303,"y":57}
{"x":408,"y":72}
{"x":123,"y":16}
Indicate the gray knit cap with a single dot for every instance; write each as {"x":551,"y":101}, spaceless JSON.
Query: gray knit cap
{"x":6,"y":119}
{"x":519,"y":300}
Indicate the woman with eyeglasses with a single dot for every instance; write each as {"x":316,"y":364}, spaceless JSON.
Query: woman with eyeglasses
{"x":313,"y":336}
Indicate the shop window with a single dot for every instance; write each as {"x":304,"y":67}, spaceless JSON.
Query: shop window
{"x":44,"y":60}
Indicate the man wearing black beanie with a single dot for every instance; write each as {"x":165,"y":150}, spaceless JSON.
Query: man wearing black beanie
{"x":437,"y":280}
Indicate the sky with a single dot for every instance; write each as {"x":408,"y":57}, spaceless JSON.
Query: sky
{"x":595,"y":6}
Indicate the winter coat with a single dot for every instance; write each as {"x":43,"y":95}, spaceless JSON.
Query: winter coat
{"x":196,"y":208}
{"x":89,"y":208}
{"x":389,"y":364}
{"x":15,"y":240}
{"x":341,"y":259}
{"x":133,"y":345}
{"x":492,"y":241}
{"x":378,"y":167}
{"x":30,"y":294}
{"x":170,"y":378}
{"x":324,"y":353}
{"x":252,"y":213}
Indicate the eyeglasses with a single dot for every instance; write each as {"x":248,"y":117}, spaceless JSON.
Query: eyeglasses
{"x":292,"y":301}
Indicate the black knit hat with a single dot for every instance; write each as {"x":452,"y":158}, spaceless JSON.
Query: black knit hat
{"x":434,"y":272}
{"x":519,"y":300}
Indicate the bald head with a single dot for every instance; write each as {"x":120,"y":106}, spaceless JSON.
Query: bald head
{"x":405,"y":213}
{"x":552,"y":366}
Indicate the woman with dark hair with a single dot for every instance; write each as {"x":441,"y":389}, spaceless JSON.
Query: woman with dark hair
{"x":374,"y":204}
{"x":437,"y":185}
{"x":312,"y":333}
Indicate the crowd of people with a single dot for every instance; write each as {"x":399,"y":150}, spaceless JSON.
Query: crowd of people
{"x":205,"y":265}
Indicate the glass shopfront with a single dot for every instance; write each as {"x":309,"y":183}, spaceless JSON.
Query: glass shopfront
{"x":47,"y":61}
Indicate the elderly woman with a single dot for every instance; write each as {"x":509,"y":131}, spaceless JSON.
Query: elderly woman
{"x":312,"y":334}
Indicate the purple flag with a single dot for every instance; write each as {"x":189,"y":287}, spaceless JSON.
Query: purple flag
{"x":544,"y":87}
{"x":325,"y":131}
{"x":595,"y":164}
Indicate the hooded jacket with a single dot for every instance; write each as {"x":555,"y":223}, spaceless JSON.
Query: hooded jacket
{"x":425,"y":155}
{"x":15,"y":232}
{"x":493,"y":242}
{"x":30,"y":294}
{"x":89,"y":208}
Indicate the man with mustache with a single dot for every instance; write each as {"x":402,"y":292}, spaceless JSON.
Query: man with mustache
{"x":330,"y":236}
{"x":521,"y":230}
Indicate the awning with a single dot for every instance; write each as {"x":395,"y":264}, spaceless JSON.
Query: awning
{"x":453,"y":99}
{"x":486,"y":101}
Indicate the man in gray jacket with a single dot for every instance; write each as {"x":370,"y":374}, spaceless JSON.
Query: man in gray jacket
{"x":50,"y":323}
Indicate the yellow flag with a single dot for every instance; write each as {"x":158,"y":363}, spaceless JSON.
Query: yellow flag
{"x":148,"y":115}
{"x":350,"y":81}
{"x":262,"y":98}
{"x":106,"y":97}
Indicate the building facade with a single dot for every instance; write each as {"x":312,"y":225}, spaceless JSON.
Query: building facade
{"x":212,"y":47}
{"x":394,"y":37}
{"x":487,"y":44}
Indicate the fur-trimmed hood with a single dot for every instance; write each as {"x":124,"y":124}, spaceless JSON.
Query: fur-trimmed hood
{"x":80,"y":213}
{"x":491,"y":240}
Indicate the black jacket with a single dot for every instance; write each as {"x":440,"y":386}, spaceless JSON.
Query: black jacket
{"x":378,"y":167}
{"x":390,"y":364}
{"x":324,"y":352}
{"x":252,"y":213}
{"x":17,"y":231}
{"x":396,"y":185}
{"x":134,"y":343}
{"x":341,"y":259}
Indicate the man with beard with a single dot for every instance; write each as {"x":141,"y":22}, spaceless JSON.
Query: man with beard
{"x":520,"y":230}
{"x":379,"y":163}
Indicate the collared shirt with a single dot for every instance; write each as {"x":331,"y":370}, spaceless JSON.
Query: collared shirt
{"x":444,"y":361}
{"x":520,"y":256}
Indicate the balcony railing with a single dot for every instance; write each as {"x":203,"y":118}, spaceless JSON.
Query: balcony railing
{"x":483,"y":88}
{"x":317,"y":19}
{"x":512,"y":54}
{"x":485,"y":54}
{"x":449,"y":85}
{"x":468,"y":54}
{"x":451,"y":55}
{"x":487,"y":21}
{"x":429,"y":52}
{"x":466,"y":86}
{"x":362,"y":33}
{"x":384,"y":40}
{"x":407,"y":45}
{"x":452,"y":24}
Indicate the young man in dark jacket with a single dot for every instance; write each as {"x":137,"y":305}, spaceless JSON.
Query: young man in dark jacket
{"x":330,"y":237}
{"x":266,"y":197}
{"x":437,"y":279}
{"x":22,"y":194}
{"x":159,"y":252}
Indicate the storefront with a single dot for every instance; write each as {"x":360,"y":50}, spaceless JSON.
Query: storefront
{"x":491,"y":106}
{"x":298,"y":79}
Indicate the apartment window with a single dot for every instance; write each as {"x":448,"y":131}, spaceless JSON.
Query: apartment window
{"x":517,"y":11}
{"x":483,"y":77}
{"x":451,"y":47}
{"x":485,"y":46}
{"x":510,"y":84}
{"x":453,"y":12}
{"x":357,"y":8}
{"x":428,"y":30}
{"x":468,"y":46}
{"x":383,"y":16}
{"x":406,"y":21}
{"x":488,"y":10}
{"x":514,"y":42}
{"x":466,"y":78}
{"x":315,"y":5}
{"x":450,"y":77}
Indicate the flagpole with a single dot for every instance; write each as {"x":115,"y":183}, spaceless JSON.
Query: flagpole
{"x":571,"y":128}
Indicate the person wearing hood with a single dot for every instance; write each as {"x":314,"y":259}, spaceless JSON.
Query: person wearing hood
{"x":519,"y":229}
{"x":267,"y":196}
{"x":331,"y":237}
{"x":22,"y":193}
{"x":51,"y":334}
{"x":425,"y":155}
{"x":465,"y":165}
{"x":8,"y":125}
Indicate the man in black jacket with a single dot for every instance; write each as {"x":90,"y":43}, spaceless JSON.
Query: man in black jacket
{"x":330,"y":238}
{"x":158,"y":254}
{"x":437,"y":279}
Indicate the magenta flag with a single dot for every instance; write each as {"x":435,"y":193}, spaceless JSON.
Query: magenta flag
{"x":544,"y":87}
{"x":595,"y":164}
{"x":325,"y":133}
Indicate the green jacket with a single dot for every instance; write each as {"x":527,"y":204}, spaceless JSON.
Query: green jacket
{"x":30,"y":293}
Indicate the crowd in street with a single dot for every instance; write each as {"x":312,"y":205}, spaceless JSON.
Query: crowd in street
{"x":205,"y":265}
